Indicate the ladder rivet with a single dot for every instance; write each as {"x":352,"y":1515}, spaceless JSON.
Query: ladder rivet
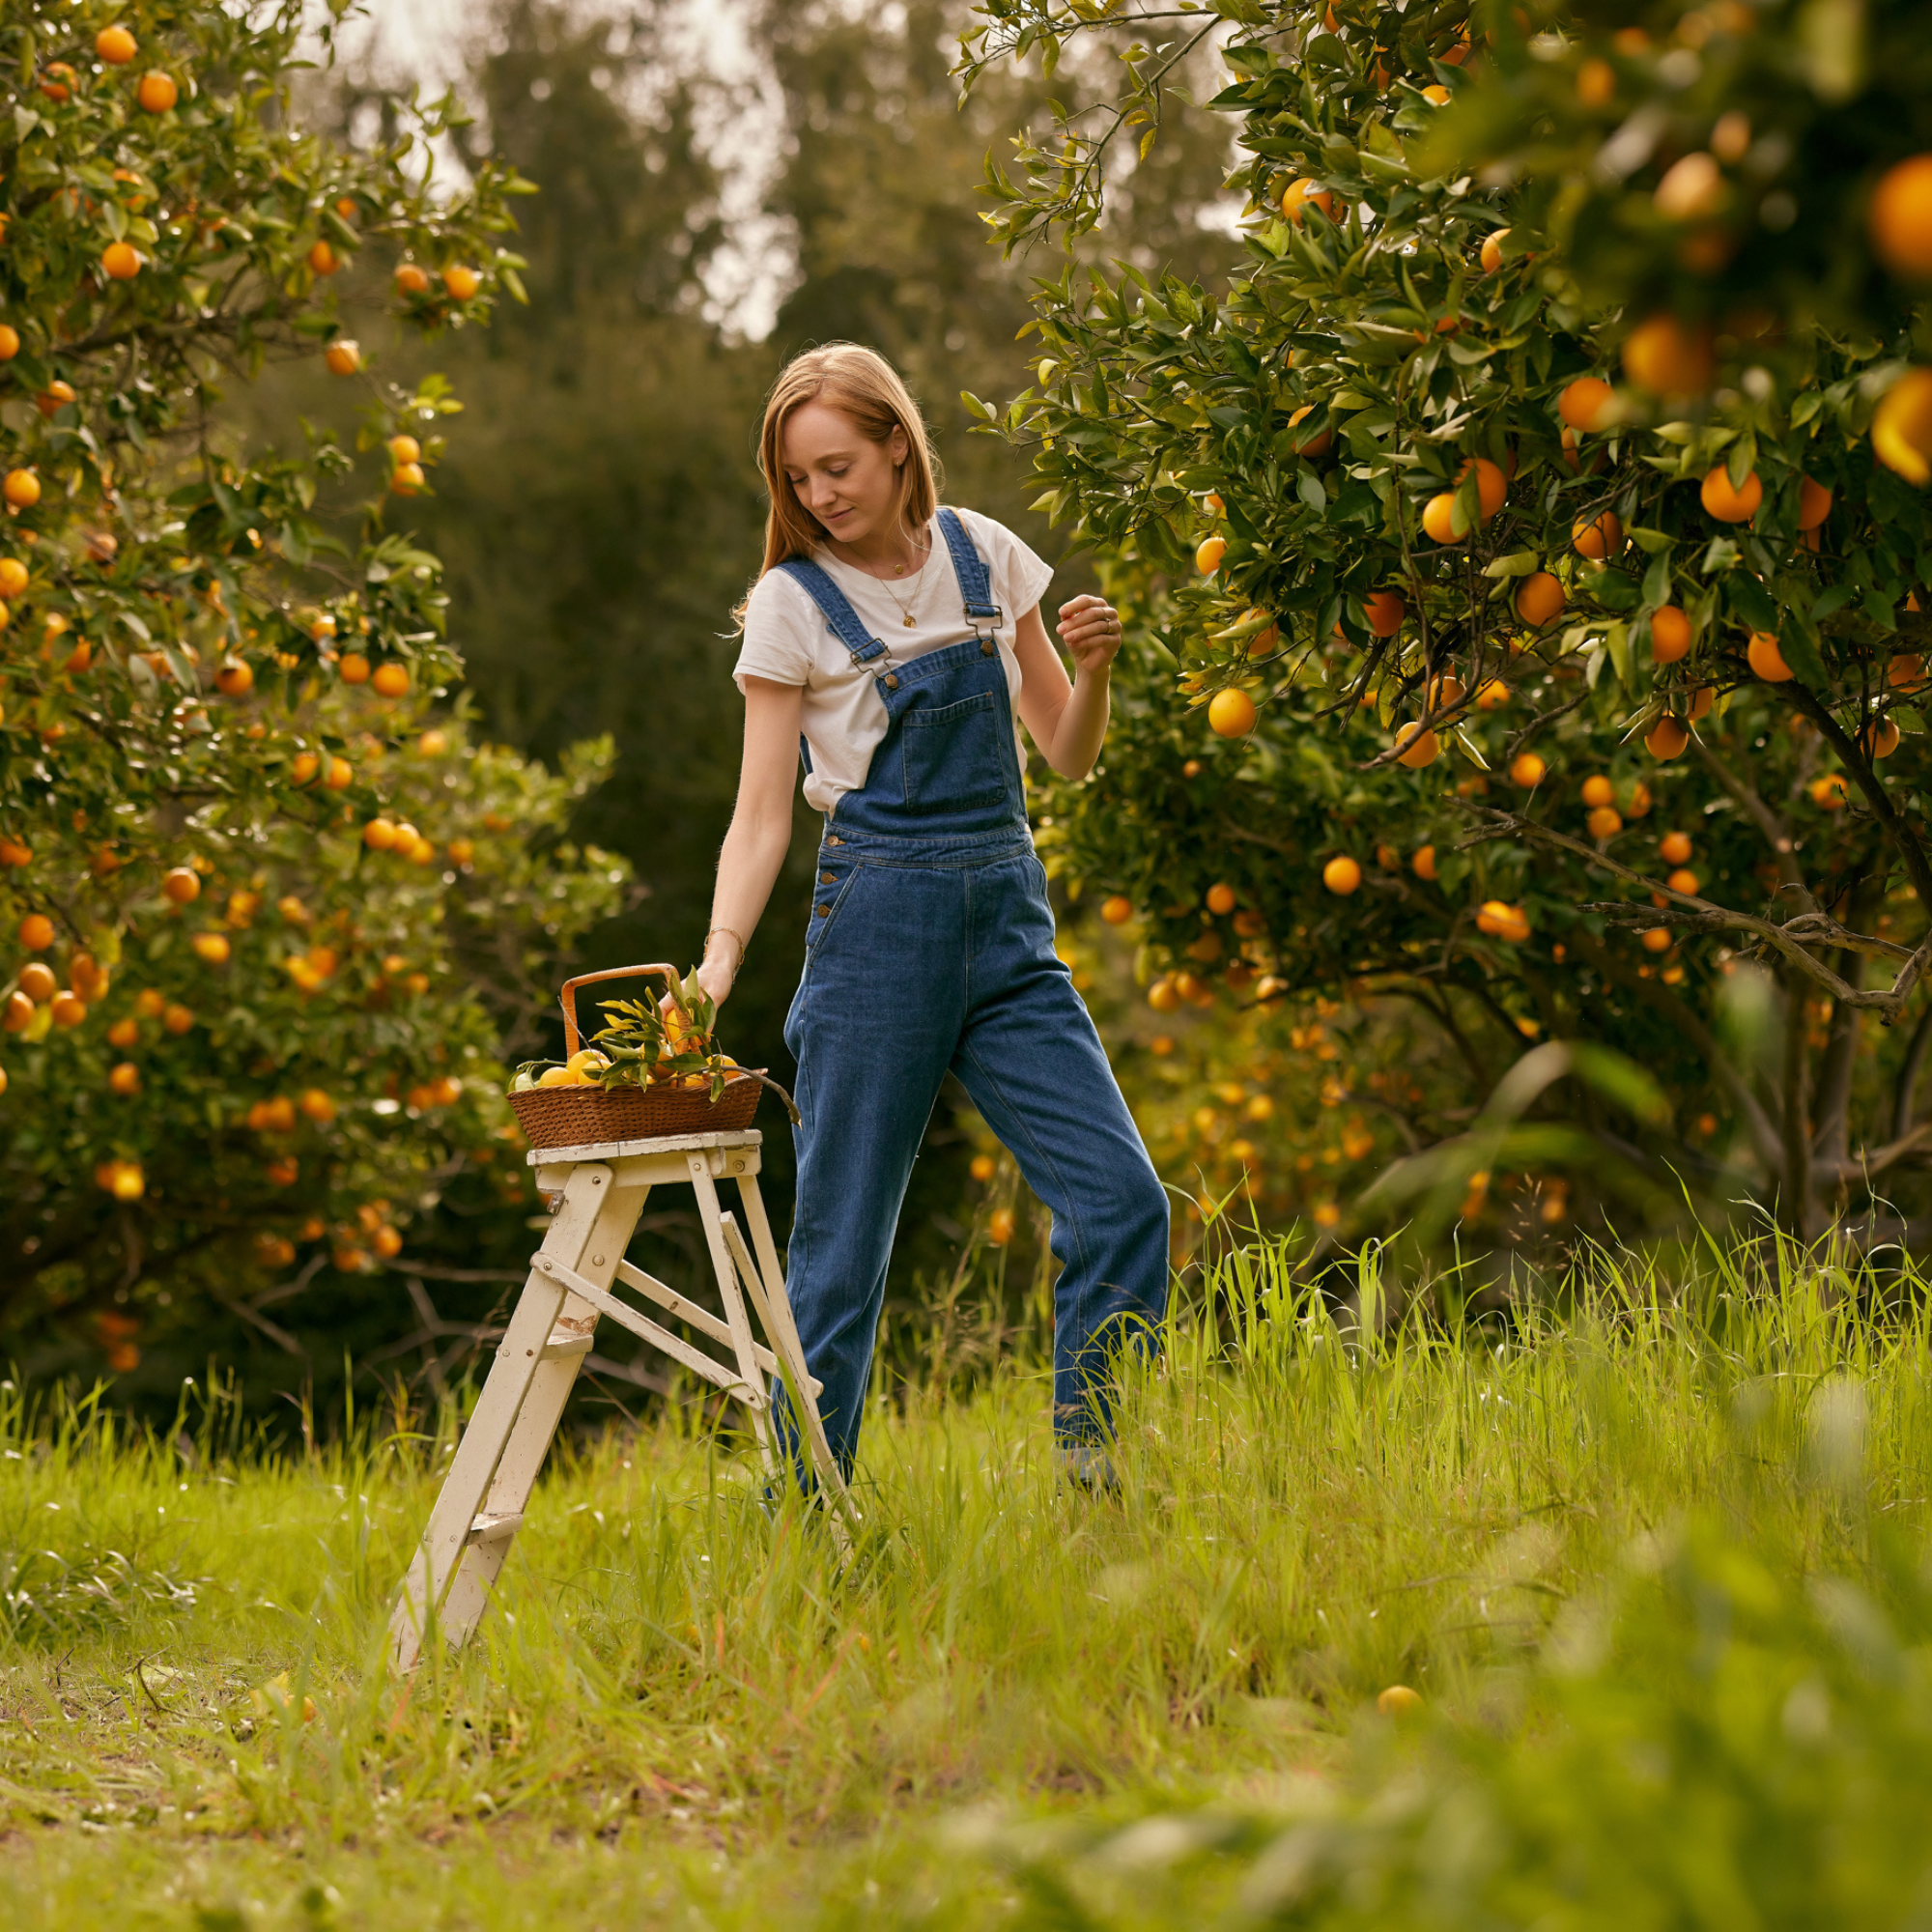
{"x":597,"y":1260}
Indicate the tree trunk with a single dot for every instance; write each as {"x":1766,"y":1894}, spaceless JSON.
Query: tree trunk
{"x":1794,"y":1194}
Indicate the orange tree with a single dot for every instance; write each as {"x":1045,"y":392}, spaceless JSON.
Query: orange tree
{"x":263,"y":918}
{"x":1523,"y":541}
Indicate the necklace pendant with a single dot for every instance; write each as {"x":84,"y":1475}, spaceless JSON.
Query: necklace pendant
{"x":909,"y":624}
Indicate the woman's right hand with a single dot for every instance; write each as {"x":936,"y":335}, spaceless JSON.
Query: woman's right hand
{"x":719,"y":972}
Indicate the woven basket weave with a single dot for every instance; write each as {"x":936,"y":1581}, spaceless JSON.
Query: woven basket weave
{"x":581,"y":1116}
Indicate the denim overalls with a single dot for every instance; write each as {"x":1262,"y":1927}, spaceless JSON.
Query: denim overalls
{"x":930,"y":947}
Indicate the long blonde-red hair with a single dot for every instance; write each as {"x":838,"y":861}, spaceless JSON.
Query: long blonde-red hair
{"x":863,"y":383}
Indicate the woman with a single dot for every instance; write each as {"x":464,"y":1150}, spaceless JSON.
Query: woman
{"x":895,"y":641}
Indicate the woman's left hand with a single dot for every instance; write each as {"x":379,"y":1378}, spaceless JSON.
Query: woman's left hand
{"x":1090,"y":627}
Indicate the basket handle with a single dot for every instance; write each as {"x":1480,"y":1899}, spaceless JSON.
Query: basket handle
{"x":568,"y":996}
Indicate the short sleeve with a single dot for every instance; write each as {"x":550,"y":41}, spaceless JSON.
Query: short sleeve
{"x":777,"y":642}
{"x":1021,"y":577}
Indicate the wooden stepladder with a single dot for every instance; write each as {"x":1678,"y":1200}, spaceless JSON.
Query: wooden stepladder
{"x":572,"y":1281}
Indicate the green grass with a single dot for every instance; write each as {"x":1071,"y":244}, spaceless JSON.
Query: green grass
{"x":1655,"y":1566}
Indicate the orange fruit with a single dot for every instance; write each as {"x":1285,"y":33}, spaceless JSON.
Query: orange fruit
{"x":1670,"y":634}
{"x":158,"y":91}
{"x":1683,"y":881}
{"x":125,"y":1033}
{"x":125,"y":1079}
{"x":343,"y":357}
{"x":1596,"y":82}
{"x":37,"y":980}
{"x":1491,"y":485}
{"x":1438,"y":518}
{"x":1674,"y":848}
{"x":116,"y":45}
{"x":55,"y":86}
{"x":353,"y":668}
{"x":462,"y":851}
{"x":392,"y":680}
{"x":212,"y":948}
{"x":36,"y":932}
{"x":1905,"y":673}
{"x":1000,"y":1226}
{"x":1220,"y":898}
{"x":283,"y":1173}
{"x":1598,"y":790}
{"x":126,"y":1182}
{"x":54,"y":398}
{"x":1664,"y":356}
{"x":1667,"y":738}
{"x":1415,"y":747}
{"x":148,"y":1004}
{"x":1342,"y":874}
{"x":1701,"y":701}
{"x":1728,"y":504}
{"x":386,"y":1242}
{"x":1444,"y":693}
{"x":21,"y":489}
{"x":1423,"y":865}
{"x":412,"y":279}
{"x":1493,"y":251}
{"x":1829,"y":791}
{"x":1901,"y":431}
{"x":16,"y":1015}
{"x":10,"y":342}
{"x":69,"y":1009}
{"x":1301,"y":193}
{"x":1589,"y":403}
{"x":1502,"y":920}
{"x":177,"y":1018}
{"x":1527,"y":770}
{"x":324,"y":260}
{"x":404,"y":449}
{"x":1765,"y":660}
{"x":121,"y":261}
{"x":1901,"y":218}
{"x":433,"y":744}
{"x":1606,"y":822}
{"x":340,"y":775}
{"x":379,"y":834}
{"x":12,"y":577}
{"x":14,"y":853}
{"x":1311,"y":445}
{"x":1541,"y":599}
{"x":1231,"y":713}
{"x":1384,"y":611}
{"x":183,"y":885}
{"x":1879,"y":739}
{"x":1692,"y":189}
{"x":1437,"y":94}
{"x":984,"y":1167}
{"x":1657,"y":939}
{"x":1117,"y":910}
{"x":407,"y":480}
{"x":234,"y":679}
{"x":1163,"y":996}
{"x":461,"y":282}
{"x":1208,"y":555}
{"x":1598,"y":538}
{"x":1814,"y":503}
{"x":317,"y":1106}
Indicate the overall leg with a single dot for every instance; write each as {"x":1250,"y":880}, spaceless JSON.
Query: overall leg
{"x":872,"y":1028}
{"x":1034,"y":1067}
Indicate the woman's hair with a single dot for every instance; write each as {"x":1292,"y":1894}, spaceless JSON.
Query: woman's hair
{"x":863,"y":383}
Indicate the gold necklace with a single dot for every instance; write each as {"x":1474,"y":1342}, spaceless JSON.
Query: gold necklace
{"x":905,"y":609}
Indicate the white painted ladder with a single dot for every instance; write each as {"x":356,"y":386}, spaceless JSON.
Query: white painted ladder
{"x":571,"y":1282}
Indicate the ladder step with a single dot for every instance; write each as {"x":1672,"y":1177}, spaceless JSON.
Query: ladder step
{"x":496,"y":1528}
{"x":560,"y":1348}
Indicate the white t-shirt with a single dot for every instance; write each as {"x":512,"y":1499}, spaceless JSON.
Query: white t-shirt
{"x":787,"y":639}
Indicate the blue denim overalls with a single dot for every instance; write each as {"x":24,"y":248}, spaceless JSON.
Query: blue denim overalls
{"x":930,"y":947}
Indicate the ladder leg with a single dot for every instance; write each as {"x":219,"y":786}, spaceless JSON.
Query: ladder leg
{"x":785,"y":1344}
{"x":592,"y":1207}
{"x":735,"y":1318}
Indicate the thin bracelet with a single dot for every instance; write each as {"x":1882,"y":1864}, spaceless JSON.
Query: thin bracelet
{"x":738,"y":963}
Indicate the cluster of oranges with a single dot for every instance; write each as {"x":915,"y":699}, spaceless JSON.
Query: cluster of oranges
{"x":280,"y":1115}
{"x":400,"y":836}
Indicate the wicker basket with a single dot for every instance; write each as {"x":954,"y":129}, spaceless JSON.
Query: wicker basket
{"x":579,"y":1116}
{"x":553,"y":1117}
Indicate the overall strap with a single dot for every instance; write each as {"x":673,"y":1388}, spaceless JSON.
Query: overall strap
{"x":976,"y":586}
{"x":836,"y":607}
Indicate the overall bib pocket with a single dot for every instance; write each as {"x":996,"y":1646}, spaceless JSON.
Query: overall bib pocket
{"x":953,"y":758}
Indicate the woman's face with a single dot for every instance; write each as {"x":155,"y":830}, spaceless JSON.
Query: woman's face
{"x":847,"y":481}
